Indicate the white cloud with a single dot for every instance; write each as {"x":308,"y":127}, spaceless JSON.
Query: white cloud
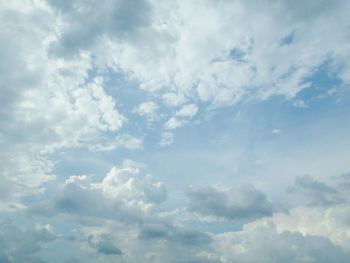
{"x":276,"y":131}
{"x":207,"y":51}
{"x":181,"y":117}
{"x":147,"y":109}
{"x":173,"y":99}
{"x":300,"y":104}
{"x":57,"y":58}
{"x":189,"y":110}
{"x":260,"y":241}
{"x":174,"y":123}
{"x":123,"y":194}
{"x":122,"y":141}
{"x":48,"y":103}
{"x":167,"y":138}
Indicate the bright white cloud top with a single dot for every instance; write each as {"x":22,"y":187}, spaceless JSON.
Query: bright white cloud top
{"x":174,"y":131}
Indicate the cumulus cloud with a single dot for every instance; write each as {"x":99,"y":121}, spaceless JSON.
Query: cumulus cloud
{"x":300,"y":234}
{"x":55,"y":52}
{"x":61,"y":63}
{"x":123,"y":194}
{"x":260,"y":241}
{"x":243,"y":202}
{"x":47,"y":103}
{"x":206,"y":61}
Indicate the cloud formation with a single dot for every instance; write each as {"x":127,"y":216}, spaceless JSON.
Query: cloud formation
{"x":89,"y":84}
{"x":243,"y":202}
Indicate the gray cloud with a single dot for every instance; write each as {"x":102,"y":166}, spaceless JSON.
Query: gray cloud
{"x":20,"y":245}
{"x":312,"y":192}
{"x":175,"y":234}
{"x":104,"y":244}
{"x":89,"y":21}
{"x":243,"y":202}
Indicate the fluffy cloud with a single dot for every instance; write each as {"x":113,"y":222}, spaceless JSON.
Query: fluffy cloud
{"x":189,"y":110}
{"x":174,"y":123}
{"x":135,"y":229}
{"x":313,"y":233}
{"x":47,"y":103}
{"x":124,"y":194}
{"x":173,"y":99}
{"x":60,"y":64}
{"x":206,"y":51}
{"x":182,"y":116}
{"x":181,"y":52}
{"x":243,"y":202}
{"x":260,"y":241}
{"x":147,"y":109}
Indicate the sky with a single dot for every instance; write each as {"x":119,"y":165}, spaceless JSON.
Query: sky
{"x":174,"y":131}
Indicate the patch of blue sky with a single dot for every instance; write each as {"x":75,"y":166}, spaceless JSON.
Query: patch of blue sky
{"x":237,"y":54}
{"x":229,"y":146}
{"x":324,"y":83}
{"x":288,"y":39}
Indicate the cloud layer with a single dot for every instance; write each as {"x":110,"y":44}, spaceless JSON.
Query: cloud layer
{"x":234,"y":112}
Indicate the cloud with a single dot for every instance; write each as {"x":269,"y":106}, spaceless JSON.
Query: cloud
{"x":124,"y":194}
{"x":300,"y":104}
{"x":47,"y":103}
{"x":167,"y":138}
{"x":173,"y":99}
{"x":122,"y":141}
{"x":312,"y":192}
{"x":55,"y":56}
{"x":300,"y":234}
{"x":20,"y":245}
{"x":189,"y":110}
{"x":174,"y":234}
{"x":103,"y":244}
{"x":191,"y":55}
{"x":63,"y":74}
{"x":325,"y":212}
{"x":181,"y":117}
{"x":147,"y":109}
{"x":86,"y":22}
{"x":174,"y":123}
{"x":243,"y":202}
{"x":261,"y":242}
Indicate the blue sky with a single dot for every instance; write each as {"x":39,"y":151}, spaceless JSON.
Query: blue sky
{"x":174,"y":131}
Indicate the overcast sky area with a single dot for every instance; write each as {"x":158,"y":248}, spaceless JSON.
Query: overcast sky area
{"x":174,"y":131}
